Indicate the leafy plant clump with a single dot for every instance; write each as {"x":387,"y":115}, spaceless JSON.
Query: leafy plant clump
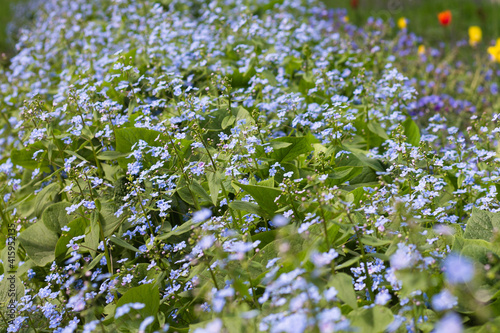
{"x":243,"y":166}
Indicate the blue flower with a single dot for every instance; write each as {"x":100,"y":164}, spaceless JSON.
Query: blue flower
{"x":450,"y":323}
{"x":202,"y":215}
{"x":444,"y":301}
{"x":458,"y":269}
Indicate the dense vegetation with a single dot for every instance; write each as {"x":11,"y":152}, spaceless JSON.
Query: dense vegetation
{"x":245,"y":166}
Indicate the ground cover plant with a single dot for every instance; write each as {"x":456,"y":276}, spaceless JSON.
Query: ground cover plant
{"x":245,"y":166}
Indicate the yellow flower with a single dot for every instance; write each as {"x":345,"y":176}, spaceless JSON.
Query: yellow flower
{"x":421,"y":49}
{"x":346,"y":19}
{"x":402,"y":23}
{"x":475,"y":35}
{"x":494,"y":51}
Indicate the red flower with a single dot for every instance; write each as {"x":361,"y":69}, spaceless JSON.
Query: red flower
{"x":445,"y":18}
{"x":354,"y":4}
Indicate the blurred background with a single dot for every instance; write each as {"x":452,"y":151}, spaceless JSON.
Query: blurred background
{"x":421,"y":16}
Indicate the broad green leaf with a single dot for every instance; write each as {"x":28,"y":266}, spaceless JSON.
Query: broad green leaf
{"x":375,"y":127}
{"x":9,"y":255}
{"x":493,"y":326}
{"x":76,"y":228}
{"x":243,"y":114}
{"x":482,"y":224}
{"x":248,"y":207}
{"x":343,"y":283}
{"x":264,"y":196}
{"x":228,"y":121}
{"x":412,"y":132}
{"x":185,"y":227}
{"x":306,"y":82}
{"x":55,"y":216}
{"x":126,"y":138}
{"x":292,"y":64}
{"x":357,"y":157}
{"x":146,"y":294}
{"x":265,"y":237}
{"x":39,"y":243}
{"x":199,"y":190}
{"x":279,"y":144}
{"x":109,"y":221}
{"x":45,"y":197}
{"x":92,"y":235}
{"x":342,"y":174}
{"x":413,"y":280}
{"x":371,"y":320}
{"x":24,"y":157}
{"x":298,"y":146}
{"x":477,"y":249}
{"x":11,"y":288}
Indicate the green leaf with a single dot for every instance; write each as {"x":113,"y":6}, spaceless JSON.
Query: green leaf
{"x":45,"y":197}
{"x":348,"y":263}
{"x":412,"y":132}
{"x":124,"y":244}
{"x":110,"y":155}
{"x":265,"y":237}
{"x":146,"y":294}
{"x":264,"y":196}
{"x":343,"y":283}
{"x":92,"y":235}
{"x":298,"y":146}
{"x":279,"y":144}
{"x":109,"y":221}
{"x":244,"y":114}
{"x":373,"y":241}
{"x":39,"y":243}
{"x":196,"y":188}
{"x":292,"y":64}
{"x":228,"y":121}
{"x":357,"y":158}
{"x":306,"y":82}
{"x":342,"y":174}
{"x":76,"y":228}
{"x":55,"y":216}
{"x":126,"y":138}
{"x":214,"y":185}
{"x":413,"y":280}
{"x":248,"y":207}
{"x":371,"y":320}
{"x":482,"y":224}
{"x":9,"y":263}
{"x":375,"y":127}
{"x":185,"y":227}
{"x":11,"y":288}
{"x":24,"y":157}
{"x":477,"y":249}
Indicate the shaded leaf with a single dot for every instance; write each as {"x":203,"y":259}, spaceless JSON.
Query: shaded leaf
{"x":343,"y":283}
{"x":371,"y":320}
